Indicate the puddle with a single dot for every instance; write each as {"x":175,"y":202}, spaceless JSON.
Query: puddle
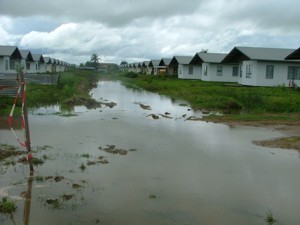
{"x":142,"y":170}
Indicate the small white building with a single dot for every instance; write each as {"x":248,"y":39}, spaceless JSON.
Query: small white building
{"x":146,"y":69}
{"x":180,"y":65}
{"x":38,"y":65}
{"x":208,"y":67}
{"x":165,"y":63}
{"x":156,"y":69}
{"x":10,"y":59}
{"x":27,"y":59}
{"x":264,"y":66}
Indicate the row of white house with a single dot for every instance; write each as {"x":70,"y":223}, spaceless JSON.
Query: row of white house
{"x":251,"y":66}
{"x":11,"y":58}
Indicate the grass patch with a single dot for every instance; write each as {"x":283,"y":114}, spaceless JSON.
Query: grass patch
{"x":72,"y":90}
{"x":86,"y":155}
{"x":217,"y":96}
{"x":7,"y":151}
{"x":152,"y":196}
{"x":7,"y":206}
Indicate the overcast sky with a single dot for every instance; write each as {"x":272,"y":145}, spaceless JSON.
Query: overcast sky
{"x":138,"y":30}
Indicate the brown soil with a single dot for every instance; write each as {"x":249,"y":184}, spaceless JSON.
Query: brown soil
{"x":290,"y":129}
{"x":8,"y":153}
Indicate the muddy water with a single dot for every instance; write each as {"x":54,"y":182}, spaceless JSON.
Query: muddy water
{"x":175,"y":171}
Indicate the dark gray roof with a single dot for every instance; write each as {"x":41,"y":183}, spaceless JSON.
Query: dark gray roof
{"x":294,"y":55}
{"x":7,"y":50}
{"x":47,"y":60}
{"x":38,"y":58}
{"x":184,"y":60}
{"x":146,"y":63}
{"x":201,"y":57}
{"x":26,"y":54}
{"x":165,"y":61}
{"x":154,"y":62}
{"x":11,"y":51}
{"x":255,"y":53}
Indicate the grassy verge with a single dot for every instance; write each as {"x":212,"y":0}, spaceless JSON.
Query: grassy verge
{"x":72,"y":89}
{"x":236,"y":102}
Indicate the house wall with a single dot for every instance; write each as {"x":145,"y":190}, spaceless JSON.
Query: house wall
{"x":227,"y":71}
{"x":258,"y":78}
{"x":3,"y":65}
{"x":183,"y":72}
{"x":32,"y":68}
{"x":42,"y":68}
{"x":149,"y":70}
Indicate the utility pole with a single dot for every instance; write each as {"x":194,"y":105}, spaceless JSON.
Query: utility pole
{"x":26,"y":123}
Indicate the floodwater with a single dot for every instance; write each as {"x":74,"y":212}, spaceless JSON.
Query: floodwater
{"x":175,"y":172}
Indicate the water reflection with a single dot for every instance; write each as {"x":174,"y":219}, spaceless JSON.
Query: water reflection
{"x":27,"y":202}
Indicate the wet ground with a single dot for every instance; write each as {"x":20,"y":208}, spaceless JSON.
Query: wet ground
{"x":146,"y":160}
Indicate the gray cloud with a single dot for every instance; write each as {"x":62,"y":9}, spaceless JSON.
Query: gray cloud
{"x":133,"y":30}
{"x":111,"y":12}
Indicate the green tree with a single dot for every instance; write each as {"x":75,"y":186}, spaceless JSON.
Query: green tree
{"x":94,"y":60}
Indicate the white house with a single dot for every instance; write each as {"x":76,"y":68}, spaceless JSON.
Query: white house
{"x":38,"y":64}
{"x":48,"y":64}
{"x":264,"y":66}
{"x":165,"y":63}
{"x":180,"y":65}
{"x":10,"y":58}
{"x":146,"y":69}
{"x":211,"y":68}
{"x":27,"y":59}
{"x":156,"y":69}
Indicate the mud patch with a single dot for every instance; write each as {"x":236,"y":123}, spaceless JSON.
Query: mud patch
{"x":155,"y":117}
{"x":109,"y":104}
{"x":145,"y":107}
{"x":7,"y":151}
{"x":194,"y":118}
{"x":286,"y":143}
{"x":113,"y":150}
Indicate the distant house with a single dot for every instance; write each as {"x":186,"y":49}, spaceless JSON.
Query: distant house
{"x":48,"y":64}
{"x":156,"y":69}
{"x":10,"y":58}
{"x":54,"y":64}
{"x":179,"y":66}
{"x":137,"y":67}
{"x":264,"y":66}
{"x":145,"y":67}
{"x":208,"y":67}
{"x":27,"y":59}
{"x":165,"y":62}
{"x":38,"y":64}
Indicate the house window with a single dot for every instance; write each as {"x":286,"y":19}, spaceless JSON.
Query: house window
{"x":293,"y":73}
{"x":241,"y":71}
{"x":12,"y":65}
{"x":6,"y":64}
{"x":235,"y":71}
{"x":219,"y":70}
{"x":191,"y":70}
{"x":249,"y":71}
{"x":269,"y":71}
{"x":205,"y":70}
{"x":27,"y":66}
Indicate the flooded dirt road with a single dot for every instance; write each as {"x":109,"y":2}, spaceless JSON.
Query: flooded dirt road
{"x":140,"y":161}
